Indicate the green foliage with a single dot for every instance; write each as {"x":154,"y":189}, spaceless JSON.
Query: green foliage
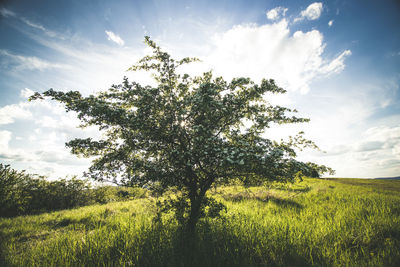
{"x":316,"y":171}
{"x":187,"y":132}
{"x":180,"y":205}
{"x":22,"y":193}
{"x":12,"y":198}
{"x":316,"y":222}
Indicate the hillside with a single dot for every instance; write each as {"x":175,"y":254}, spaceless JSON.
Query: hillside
{"x":318,"y":222}
{"x":389,"y":178}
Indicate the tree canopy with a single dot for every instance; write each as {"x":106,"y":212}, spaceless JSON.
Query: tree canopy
{"x":186,"y":132}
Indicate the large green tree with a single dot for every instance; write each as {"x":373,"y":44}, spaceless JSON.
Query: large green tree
{"x":187,"y":132}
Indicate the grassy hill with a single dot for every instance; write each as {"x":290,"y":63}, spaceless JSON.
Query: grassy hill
{"x":318,"y":222}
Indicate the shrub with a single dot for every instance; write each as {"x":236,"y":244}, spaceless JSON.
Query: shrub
{"x":13,"y":201}
{"x":22,"y":193}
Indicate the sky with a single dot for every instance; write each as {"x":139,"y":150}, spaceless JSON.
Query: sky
{"x":339,"y":61}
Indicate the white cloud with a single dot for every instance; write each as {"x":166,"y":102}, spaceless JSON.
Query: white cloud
{"x":344,"y":124}
{"x":28,"y":63}
{"x":115,"y":38}
{"x":7,"y":13}
{"x":336,"y":65}
{"x":26,"y":93}
{"x":350,"y":149}
{"x":330,"y":23}
{"x":312,"y":12}
{"x":369,"y":146}
{"x":276,"y":13}
{"x":38,"y":26}
{"x":9,"y":154}
{"x":388,"y":137}
{"x":33,"y":25}
{"x":95,"y":66}
{"x":270,"y":51}
{"x":41,"y":142}
{"x":384,"y":141}
{"x":49,"y":157}
{"x":9,"y":113}
{"x":5,"y":137}
{"x":16,"y":155}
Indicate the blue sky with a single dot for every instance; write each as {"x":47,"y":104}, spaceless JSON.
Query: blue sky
{"x":339,"y":61}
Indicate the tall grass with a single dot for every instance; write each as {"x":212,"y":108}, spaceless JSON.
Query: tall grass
{"x":314,"y":223}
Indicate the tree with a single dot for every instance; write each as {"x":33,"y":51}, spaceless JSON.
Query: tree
{"x":316,"y":171}
{"x":185,"y":132}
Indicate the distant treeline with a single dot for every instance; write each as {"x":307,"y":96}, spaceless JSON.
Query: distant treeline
{"x":22,"y":193}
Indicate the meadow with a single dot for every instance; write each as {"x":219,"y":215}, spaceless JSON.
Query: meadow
{"x":317,"y":222}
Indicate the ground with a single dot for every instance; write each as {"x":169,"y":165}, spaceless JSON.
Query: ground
{"x":316,"y":222}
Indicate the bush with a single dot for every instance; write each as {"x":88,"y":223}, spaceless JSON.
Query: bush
{"x":60,"y":194}
{"x":13,"y":201}
{"x":22,"y":193}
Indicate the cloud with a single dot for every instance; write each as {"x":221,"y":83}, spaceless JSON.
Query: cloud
{"x":276,"y":13}
{"x":384,"y":141}
{"x":115,"y":38}
{"x":48,"y":158}
{"x":45,"y":113}
{"x":9,"y":113}
{"x":39,"y":27}
{"x":26,"y":93}
{"x":338,"y":150}
{"x":337,"y":64}
{"x":373,"y":153}
{"x":7,"y":153}
{"x":369,"y":146}
{"x":344,"y":123}
{"x":271,"y":51}
{"x":41,"y":142}
{"x":91,"y":66}
{"x":13,"y":156}
{"x":389,"y":137}
{"x":7,"y":13}
{"x":330,"y":23}
{"x":5,"y":137}
{"x":390,"y":164}
{"x":19,"y":62}
{"x":312,"y":12}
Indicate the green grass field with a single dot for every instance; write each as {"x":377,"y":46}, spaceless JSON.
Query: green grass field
{"x":336,"y":222}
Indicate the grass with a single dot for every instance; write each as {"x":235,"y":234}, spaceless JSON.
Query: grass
{"x":336,"y":222}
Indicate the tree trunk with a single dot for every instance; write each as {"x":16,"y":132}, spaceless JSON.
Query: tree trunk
{"x":194,"y":215}
{"x":189,"y":239}
{"x":196,"y":196}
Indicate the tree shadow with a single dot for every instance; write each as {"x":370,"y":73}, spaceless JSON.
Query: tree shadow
{"x":286,"y":203}
{"x":265,"y":196}
{"x":87,"y":223}
{"x":301,"y":190}
{"x":220,"y":245}
{"x":217,"y":242}
{"x":56,"y":224}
